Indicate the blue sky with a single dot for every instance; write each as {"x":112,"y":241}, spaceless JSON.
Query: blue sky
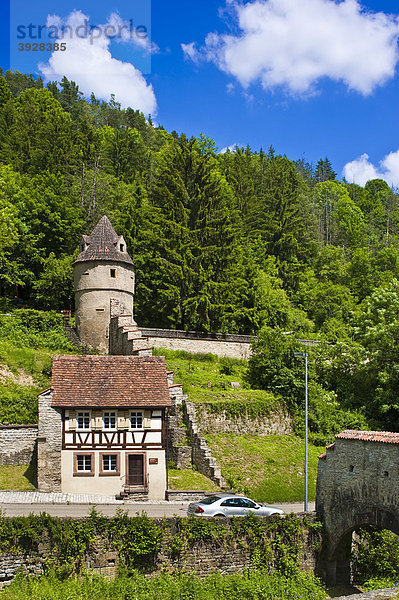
{"x":313,"y":78}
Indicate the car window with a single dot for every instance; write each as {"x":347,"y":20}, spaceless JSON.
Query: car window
{"x":230,"y":502}
{"x":248,"y":503}
{"x":209,"y":500}
{"x":241,"y":502}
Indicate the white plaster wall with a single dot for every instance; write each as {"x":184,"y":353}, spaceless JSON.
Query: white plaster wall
{"x":109,"y":485}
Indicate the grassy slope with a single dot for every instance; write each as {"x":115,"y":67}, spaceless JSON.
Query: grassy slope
{"x":268,"y":468}
{"x":207,"y":379}
{"x":18,"y":402}
{"x":16,"y":477}
{"x":27,"y":346}
{"x":187,"y":479}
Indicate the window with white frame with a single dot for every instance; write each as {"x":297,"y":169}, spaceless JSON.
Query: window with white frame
{"x":136,"y":419}
{"x":84,"y":463}
{"x":109,"y":420}
{"x":109,"y":462}
{"x":83,"y":420}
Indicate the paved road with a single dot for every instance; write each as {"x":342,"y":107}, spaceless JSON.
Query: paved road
{"x":155,"y":510}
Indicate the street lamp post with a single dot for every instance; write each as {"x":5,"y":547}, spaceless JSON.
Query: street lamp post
{"x":305,"y":356}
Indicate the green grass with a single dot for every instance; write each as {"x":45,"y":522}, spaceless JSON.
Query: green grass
{"x":35,"y":362}
{"x":28,"y":341}
{"x":19,"y":477}
{"x":18,"y":400}
{"x":166,"y":586}
{"x":204,"y":370}
{"x":268,"y":468}
{"x":188,"y":479}
{"x":207,"y":379}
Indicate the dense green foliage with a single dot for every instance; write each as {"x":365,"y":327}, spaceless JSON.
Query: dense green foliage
{"x":273,"y":366}
{"x":27,"y":328}
{"x":28,"y":340}
{"x":168,"y":587}
{"x":222,"y":242}
{"x":375,"y":558}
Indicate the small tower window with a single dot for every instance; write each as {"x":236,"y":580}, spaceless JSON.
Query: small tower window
{"x":122,"y":247}
{"x":112,"y":273}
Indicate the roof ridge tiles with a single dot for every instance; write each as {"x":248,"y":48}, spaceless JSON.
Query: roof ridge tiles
{"x":387,"y":437}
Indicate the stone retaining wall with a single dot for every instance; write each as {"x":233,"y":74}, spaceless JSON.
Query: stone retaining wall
{"x":201,"y":454}
{"x":373,"y":595}
{"x":230,"y":553}
{"x":17,"y":444}
{"x":222,"y":349}
{"x":277,"y":423}
{"x":185,"y":495}
{"x":221,"y":344}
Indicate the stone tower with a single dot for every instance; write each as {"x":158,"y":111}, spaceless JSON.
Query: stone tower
{"x":103,"y":271}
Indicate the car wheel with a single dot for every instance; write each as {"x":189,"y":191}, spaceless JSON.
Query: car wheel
{"x":219,"y":515}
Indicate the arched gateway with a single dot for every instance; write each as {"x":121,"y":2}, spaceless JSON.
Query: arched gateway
{"x":357,"y":485}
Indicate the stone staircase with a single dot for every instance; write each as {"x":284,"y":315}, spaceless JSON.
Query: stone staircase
{"x":133,"y":494}
{"x":125,"y":338}
{"x":178,"y":444}
{"x":182,"y":424}
{"x":201,"y":453}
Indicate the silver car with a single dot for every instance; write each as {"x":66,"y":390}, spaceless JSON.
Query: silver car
{"x":222,"y":505}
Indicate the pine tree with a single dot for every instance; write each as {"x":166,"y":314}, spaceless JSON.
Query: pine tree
{"x":324,"y":171}
{"x":5,"y":94}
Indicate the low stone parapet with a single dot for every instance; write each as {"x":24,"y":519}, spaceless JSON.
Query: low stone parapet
{"x":17,"y":444}
{"x":184,"y":495}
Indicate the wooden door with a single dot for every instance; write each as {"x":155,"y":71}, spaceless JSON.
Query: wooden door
{"x":136,"y":469}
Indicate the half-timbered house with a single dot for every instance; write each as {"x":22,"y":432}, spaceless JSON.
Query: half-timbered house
{"x":102,"y":426}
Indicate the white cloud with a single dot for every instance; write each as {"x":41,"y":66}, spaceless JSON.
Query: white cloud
{"x":293,"y":44}
{"x":190,"y":52}
{"x":361,"y":170}
{"x":87,"y":60}
{"x":232,"y":148}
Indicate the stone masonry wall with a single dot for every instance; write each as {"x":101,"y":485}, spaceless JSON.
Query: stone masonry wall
{"x":356,"y":486}
{"x":221,"y":344}
{"x":202,"y":557}
{"x":220,"y":348}
{"x":17,"y":444}
{"x":49,"y":444}
{"x":277,"y":423}
{"x":201,"y":453}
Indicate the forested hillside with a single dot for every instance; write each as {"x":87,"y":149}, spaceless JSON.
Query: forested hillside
{"x":230,"y":242}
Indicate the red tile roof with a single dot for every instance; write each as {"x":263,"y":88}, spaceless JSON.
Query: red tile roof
{"x":109,"y":381}
{"x":387,"y":437}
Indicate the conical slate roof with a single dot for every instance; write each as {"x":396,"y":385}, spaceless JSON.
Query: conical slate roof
{"x":103,"y":244}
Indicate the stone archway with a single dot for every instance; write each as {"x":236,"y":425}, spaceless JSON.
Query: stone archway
{"x":356,"y":486}
{"x":334,"y":565}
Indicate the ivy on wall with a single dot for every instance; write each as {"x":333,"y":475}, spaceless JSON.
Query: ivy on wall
{"x":274,"y":544}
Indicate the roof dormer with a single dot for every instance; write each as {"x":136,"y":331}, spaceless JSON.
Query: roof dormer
{"x":121,"y":244}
